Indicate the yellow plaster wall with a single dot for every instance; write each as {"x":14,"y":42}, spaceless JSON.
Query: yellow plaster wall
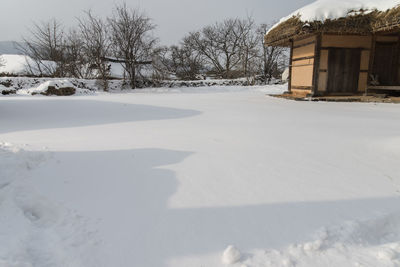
{"x":302,"y":70}
{"x":304,"y":51}
{"x":302,"y":76}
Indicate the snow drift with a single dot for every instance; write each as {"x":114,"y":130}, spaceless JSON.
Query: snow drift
{"x":374,"y":242}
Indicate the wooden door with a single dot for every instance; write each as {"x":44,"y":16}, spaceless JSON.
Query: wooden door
{"x":343,"y":70}
{"x":385,"y":63}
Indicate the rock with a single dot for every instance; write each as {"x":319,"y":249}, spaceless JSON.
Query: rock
{"x":8,"y":92}
{"x":6,"y":83}
{"x":54,"y":87}
{"x":62,"y":91}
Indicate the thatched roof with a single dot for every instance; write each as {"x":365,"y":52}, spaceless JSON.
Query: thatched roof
{"x":359,"y":22}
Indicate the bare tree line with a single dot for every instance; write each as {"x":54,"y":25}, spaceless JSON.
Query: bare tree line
{"x":87,"y":50}
{"x":232,"y":48}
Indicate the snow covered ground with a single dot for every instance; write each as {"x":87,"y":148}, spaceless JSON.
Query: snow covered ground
{"x":192,"y":177}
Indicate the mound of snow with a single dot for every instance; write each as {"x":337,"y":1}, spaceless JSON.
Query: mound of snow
{"x":53,"y":87}
{"x":376,"y":242}
{"x":322,"y":10}
{"x":231,"y":255}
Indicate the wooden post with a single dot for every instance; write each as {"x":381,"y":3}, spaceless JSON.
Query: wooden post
{"x":290,"y":66}
{"x":397,"y":62}
{"x":317,"y":59}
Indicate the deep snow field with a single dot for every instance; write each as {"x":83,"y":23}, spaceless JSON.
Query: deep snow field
{"x":172,"y":177}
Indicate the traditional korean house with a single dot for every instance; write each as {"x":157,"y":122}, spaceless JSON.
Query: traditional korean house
{"x":342,"y":47}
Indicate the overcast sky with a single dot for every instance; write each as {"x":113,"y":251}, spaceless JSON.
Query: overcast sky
{"x":174,"y":18}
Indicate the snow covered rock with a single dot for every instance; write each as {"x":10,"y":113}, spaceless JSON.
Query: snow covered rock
{"x":54,"y":87}
{"x":285,"y":75}
{"x":6,"y":91}
{"x":231,"y":255}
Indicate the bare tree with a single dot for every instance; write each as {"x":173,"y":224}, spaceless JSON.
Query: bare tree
{"x":96,"y":45}
{"x":249,"y":47}
{"x":133,"y":42}
{"x":187,"y":62}
{"x":222,"y":45}
{"x":228,"y":46}
{"x":77,"y":64}
{"x":235,"y":48}
{"x":273,"y":58}
{"x":45,"y":46}
{"x":182,"y":60}
{"x":161,"y":63}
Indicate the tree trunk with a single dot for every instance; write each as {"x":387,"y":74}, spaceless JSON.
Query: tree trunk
{"x":133,"y":77}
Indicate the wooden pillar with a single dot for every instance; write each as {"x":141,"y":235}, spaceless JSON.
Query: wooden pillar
{"x":398,"y":60}
{"x":317,"y":61}
{"x":290,"y":67}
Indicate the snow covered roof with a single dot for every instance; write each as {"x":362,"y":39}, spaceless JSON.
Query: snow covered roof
{"x":322,"y":10}
{"x":366,"y":15}
{"x":19,"y":65}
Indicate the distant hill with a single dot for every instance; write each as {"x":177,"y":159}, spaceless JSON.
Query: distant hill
{"x":8,"y":47}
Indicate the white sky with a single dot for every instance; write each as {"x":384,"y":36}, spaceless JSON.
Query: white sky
{"x":174,"y":18}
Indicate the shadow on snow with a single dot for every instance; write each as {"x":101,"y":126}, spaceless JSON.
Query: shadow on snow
{"x":129,"y":190}
{"x":35,"y":114}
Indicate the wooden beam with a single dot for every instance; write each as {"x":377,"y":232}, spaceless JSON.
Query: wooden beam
{"x":347,"y":33}
{"x":303,"y":45}
{"x":303,"y":65}
{"x":383,"y":87}
{"x":302,"y":58}
{"x":303,"y":36}
{"x":330,"y":47}
{"x":301,"y":87}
